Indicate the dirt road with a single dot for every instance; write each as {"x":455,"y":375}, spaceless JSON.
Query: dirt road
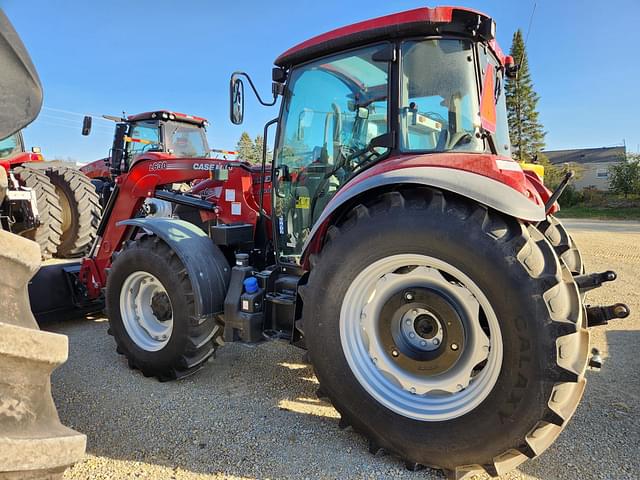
{"x":252,"y":412}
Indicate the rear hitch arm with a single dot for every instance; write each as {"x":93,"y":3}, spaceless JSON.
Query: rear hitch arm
{"x":600,"y":315}
{"x":594,"y":280}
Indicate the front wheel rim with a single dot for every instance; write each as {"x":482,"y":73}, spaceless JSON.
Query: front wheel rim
{"x":146,"y":311}
{"x":442,"y":374}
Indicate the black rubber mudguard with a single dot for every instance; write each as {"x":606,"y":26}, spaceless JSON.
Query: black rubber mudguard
{"x":206,"y":265}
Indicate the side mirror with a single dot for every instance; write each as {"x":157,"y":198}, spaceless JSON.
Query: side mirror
{"x":86,"y":125}
{"x":36,"y":150}
{"x":236,"y":100}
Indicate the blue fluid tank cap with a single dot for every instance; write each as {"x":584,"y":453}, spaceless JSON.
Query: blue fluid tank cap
{"x":250,"y":284}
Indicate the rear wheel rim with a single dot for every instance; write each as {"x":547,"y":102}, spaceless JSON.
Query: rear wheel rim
{"x":382,"y":311}
{"x":66,"y":209}
{"x":146,"y":311}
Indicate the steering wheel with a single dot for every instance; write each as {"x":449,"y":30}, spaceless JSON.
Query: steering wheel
{"x":150,"y":146}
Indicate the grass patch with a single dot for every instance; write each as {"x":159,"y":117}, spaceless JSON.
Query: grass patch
{"x":601,"y":213}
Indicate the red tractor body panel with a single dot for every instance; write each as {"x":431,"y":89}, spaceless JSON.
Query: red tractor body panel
{"x":396,"y":25}
{"x":502,"y":169}
{"x":96,"y":169}
{"x":523,"y":186}
{"x":167,"y":114}
{"x":19,"y":159}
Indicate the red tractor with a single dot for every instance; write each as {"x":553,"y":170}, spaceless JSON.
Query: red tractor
{"x":172,"y":133}
{"x":392,"y":236}
{"x":52,"y":203}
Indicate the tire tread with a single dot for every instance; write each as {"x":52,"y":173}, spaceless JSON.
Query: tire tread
{"x":537,"y":256}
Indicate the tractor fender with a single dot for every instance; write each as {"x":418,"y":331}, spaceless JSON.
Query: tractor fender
{"x":484,"y":190}
{"x":206,"y":265}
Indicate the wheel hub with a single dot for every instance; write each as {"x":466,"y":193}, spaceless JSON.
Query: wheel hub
{"x":421,"y":337}
{"x":146,"y":311}
{"x":161,"y":306}
{"x":420,"y":331}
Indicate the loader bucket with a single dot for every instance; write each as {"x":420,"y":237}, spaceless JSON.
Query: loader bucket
{"x":55,"y":293}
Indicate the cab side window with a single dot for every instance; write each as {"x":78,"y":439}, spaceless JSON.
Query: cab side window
{"x":143,"y":137}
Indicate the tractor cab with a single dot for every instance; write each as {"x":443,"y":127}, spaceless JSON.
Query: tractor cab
{"x":175,"y":134}
{"x":13,"y":152}
{"x":364,"y":94}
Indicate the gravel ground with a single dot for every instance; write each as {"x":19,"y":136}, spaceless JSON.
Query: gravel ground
{"x":252,"y":412}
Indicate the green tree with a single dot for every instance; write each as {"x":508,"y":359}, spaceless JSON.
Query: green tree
{"x":246,"y":148}
{"x":526,"y":131}
{"x":624,"y":177}
{"x":258,"y":144}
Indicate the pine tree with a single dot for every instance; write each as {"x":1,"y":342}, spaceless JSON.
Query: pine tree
{"x":257,"y":149}
{"x":245,"y":148}
{"x":258,"y":145}
{"x":526,"y":131}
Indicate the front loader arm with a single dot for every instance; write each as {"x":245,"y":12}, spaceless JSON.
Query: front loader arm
{"x":145,"y":176}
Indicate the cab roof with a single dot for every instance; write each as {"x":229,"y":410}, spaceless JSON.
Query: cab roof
{"x":416,"y":22}
{"x":167,"y":115}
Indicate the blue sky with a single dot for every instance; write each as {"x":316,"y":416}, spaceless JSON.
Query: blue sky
{"x":108,"y":56}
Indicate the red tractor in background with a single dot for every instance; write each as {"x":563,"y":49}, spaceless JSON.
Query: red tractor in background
{"x":392,"y":236}
{"x":52,"y":203}
{"x":172,"y":133}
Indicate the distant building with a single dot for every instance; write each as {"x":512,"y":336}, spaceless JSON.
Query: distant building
{"x":594,"y":164}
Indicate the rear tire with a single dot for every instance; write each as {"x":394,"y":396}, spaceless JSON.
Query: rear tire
{"x":188,"y":343}
{"x":540,"y":332}
{"x":564,"y":246}
{"x":81,"y":210}
{"x":48,"y":233}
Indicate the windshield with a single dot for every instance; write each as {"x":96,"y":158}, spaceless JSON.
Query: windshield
{"x":10,"y":146}
{"x":439,"y":107}
{"x":186,"y":140}
{"x":332,"y":110}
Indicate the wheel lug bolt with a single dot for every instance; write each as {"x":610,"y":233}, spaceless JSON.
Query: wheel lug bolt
{"x":460,"y":387}
{"x":412,"y":389}
{"x":394,"y":353}
{"x":414,"y":311}
{"x":435,"y":341}
{"x":412,"y":335}
{"x":423,"y":343}
{"x":408,"y":296}
{"x":454,"y":346}
{"x":407,"y":321}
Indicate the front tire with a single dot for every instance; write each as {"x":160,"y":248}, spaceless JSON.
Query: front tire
{"x":491,"y":283}
{"x":152,"y":313}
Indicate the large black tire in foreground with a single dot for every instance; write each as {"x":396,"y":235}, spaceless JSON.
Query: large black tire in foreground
{"x":48,"y":233}
{"x":80,"y":206}
{"x":152,"y":312}
{"x":446,"y":333}
{"x":563,"y":244}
